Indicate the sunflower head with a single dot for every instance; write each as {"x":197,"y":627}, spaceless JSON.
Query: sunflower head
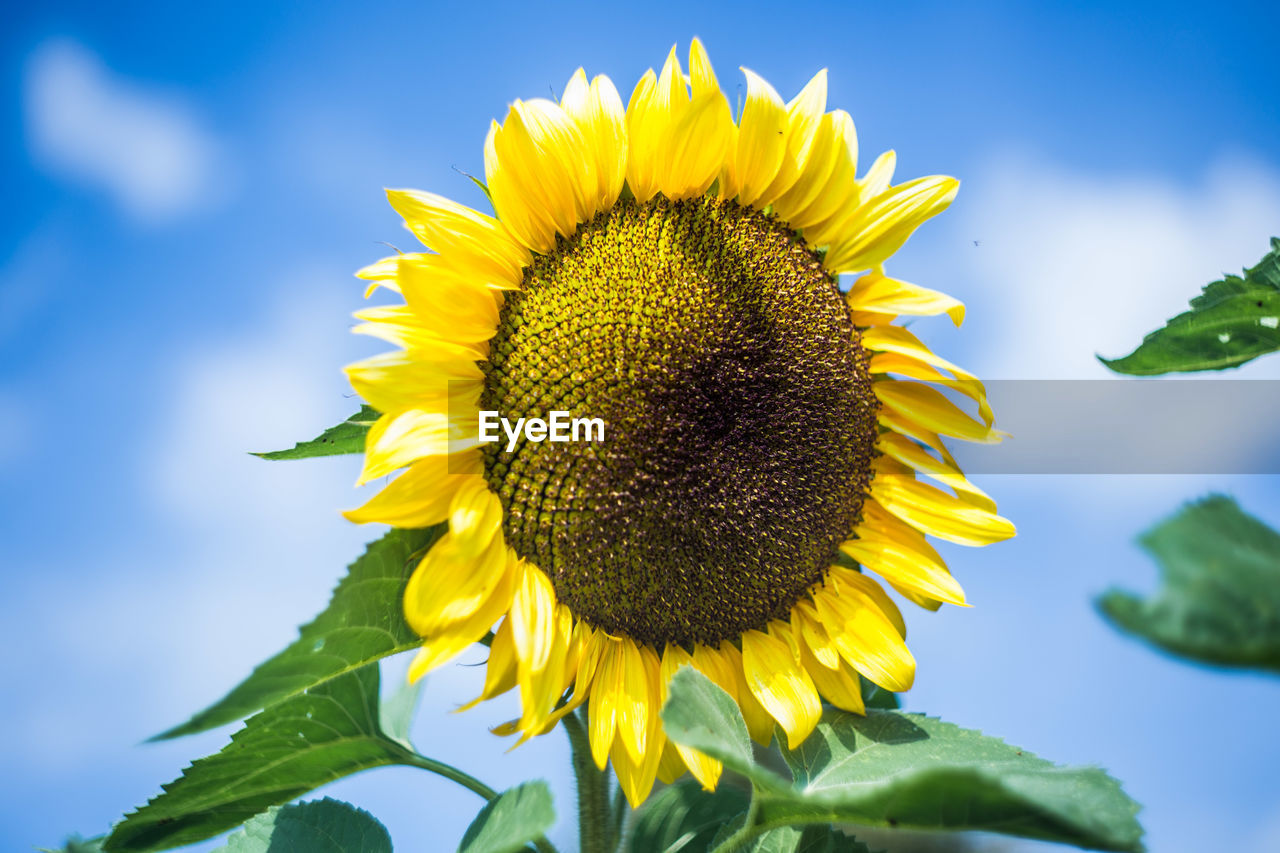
{"x":674,"y":275}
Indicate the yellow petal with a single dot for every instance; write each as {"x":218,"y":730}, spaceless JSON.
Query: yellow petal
{"x":642,"y":134}
{"x":602,"y":708}
{"x":382,"y":273}
{"x":444,"y":590}
{"x":828,"y":183}
{"x":533,"y":631}
{"x":397,"y":381}
{"x":671,"y":767}
{"x":539,"y":181}
{"x":813,"y":636}
{"x":448,"y":227}
{"x":904,"y":564}
{"x":597,"y":110}
{"x":779,"y":683}
{"x":400,"y":325}
{"x":500,"y":672}
{"x":701,"y":75}
{"x":937,"y":513}
{"x":458,"y":637}
{"x":475,"y":516}
{"x":544,"y":688}
{"x":932,"y":410}
{"x":760,"y":145}
{"x":704,"y":768}
{"x":876,"y":292}
{"x":636,"y":778}
{"x":877,"y":178}
{"x":634,"y":704}
{"x":398,"y":440}
{"x":883,"y":223}
{"x":698,"y":143}
{"x":419,"y":497}
{"x":913,"y":455}
{"x":865,"y":637}
{"x":449,"y":303}
{"x":804,"y":115}
{"x":894,"y":340}
{"x":840,"y":686}
{"x":853,"y":582}
{"x":724,"y":667}
{"x":678,"y":144}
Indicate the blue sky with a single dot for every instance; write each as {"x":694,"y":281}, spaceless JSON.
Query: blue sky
{"x":188,"y":193}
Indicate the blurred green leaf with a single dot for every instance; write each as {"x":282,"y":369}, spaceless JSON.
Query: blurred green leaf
{"x":76,"y":844}
{"x":515,"y":818}
{"x":1219,"y":601}
{"x":809,"y":839}
{"x":683,"y":818}
{"x":295,"y":746}
{"x":346,"y":437}
{"x":363,"y":622}
{"x":1233,"y":321}
{"x":318,"y":826}
{"x":907,"y":770}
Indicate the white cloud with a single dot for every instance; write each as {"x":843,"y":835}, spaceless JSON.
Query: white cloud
{"x":234,"y":552}
{"x":86,"y":124}
{"x":1076,"y":263}
{"x":276,"y":382}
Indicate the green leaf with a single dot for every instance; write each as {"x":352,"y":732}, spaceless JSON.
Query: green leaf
{"x":76,"y":844}
{"x":362,"y":623}
{"x":295,"y":746}
{"x":701,"y":715}
{"x":1219,"y":602}
{"x":1233,"y":321}
{"x":318,"y":826}
{"x":907,"y":770}
{"x":683,"y":818}
{"x":875,"y":696}
{"x":515,"y":818}
{"x":346,"y":437}
{"x":810,"y":839}
{"x":395,"y":714}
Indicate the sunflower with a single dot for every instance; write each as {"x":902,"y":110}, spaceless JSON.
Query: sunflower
{"x":673,"y":273}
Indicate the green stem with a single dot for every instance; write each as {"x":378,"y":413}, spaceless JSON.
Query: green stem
{"x":746,"y":832}
{"x":471,"y":783}
{"x":618,"y":810}
{"x":449,"y":772}
{"x":595,"y":830}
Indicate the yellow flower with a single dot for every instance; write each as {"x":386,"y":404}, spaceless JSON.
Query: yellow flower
{"x":673,"y":273}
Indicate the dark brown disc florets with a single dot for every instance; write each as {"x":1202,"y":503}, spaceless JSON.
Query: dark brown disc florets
{"x":738,"y":411}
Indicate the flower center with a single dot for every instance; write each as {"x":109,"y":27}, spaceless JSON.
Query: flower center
{"x":738,"y":411}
